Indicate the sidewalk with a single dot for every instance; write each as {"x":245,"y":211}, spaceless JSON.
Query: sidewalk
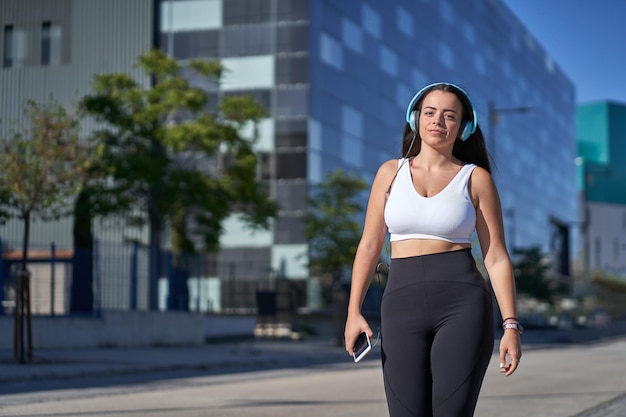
{"x":213,"y":358}
{"x":216,"y":357}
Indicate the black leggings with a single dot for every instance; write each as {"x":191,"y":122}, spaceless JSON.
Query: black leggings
{"x":437,"y":335}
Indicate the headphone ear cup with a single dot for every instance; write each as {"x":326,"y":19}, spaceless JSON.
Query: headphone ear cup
{"x":466,"y":130}
{"x":413,"y":121}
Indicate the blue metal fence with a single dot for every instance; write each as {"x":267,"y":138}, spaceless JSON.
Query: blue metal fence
{"x":120,"y":281}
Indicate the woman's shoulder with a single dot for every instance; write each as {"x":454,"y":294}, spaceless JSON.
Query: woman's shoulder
{"x":388,"y":169}
{"x":481,"y":179}
{"x":389,"y":166}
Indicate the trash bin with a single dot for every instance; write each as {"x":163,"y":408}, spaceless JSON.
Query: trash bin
{"x":266,"y":302}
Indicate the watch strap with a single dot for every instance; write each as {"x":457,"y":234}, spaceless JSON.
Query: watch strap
{"x":513,"y":325}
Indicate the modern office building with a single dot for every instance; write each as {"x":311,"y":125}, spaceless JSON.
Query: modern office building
{"x":53,"y":50}
{"x":336,"y":77}
{"x":602,"y":164}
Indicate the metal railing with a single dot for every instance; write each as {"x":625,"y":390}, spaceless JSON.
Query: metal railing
{"x":118,"y":277}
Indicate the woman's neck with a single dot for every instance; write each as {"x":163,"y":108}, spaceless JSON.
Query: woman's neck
{"x":433,"y":159}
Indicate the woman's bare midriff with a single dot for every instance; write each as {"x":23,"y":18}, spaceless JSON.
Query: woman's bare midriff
{"x":417,"y":247}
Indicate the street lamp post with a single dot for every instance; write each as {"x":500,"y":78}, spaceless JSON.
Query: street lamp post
{"x":588,"y":174}
{"x":494,"y":118}
{"x":510,"y":215}
{"x":584,"y":204}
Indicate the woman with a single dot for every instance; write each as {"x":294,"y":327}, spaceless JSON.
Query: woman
{"x":436,"y":313}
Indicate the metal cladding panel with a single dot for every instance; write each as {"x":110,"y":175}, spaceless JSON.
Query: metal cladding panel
{"x":96,"y":36}
{"x":111,"y":34}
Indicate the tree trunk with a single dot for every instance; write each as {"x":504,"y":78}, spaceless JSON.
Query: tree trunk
{"x":182,"y":249}
{"x":22,"y":302}
{"x":155,"y":258}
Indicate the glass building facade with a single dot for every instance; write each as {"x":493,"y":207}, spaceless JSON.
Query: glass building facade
{"x":602,"y":181}
{"x":601,"y":133}
{"x":336,"y":77}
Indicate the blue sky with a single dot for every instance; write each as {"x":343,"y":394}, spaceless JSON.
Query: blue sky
{"x":586,"y":38}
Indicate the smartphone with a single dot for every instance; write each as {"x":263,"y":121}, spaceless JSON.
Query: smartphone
{"x":362,"y":346}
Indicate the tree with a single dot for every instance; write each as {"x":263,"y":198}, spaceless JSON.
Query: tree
{"x":42,"y":169}
{"x":610,"y":291}
{"x":332,"y":226}
{"x":531,"y":274}
{"x":169,"y":160}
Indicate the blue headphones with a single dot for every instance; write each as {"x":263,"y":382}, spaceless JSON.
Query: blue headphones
{"x":467,"y":128}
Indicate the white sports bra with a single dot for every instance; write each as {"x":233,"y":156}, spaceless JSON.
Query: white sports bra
{"x":448,"y":215}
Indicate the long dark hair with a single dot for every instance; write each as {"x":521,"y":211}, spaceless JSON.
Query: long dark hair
{"x":473,"y":150}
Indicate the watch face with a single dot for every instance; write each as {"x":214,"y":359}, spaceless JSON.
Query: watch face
{"x":515,"y":326}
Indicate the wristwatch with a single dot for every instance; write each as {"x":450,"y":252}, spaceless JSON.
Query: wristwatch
{"x":513,"y":325}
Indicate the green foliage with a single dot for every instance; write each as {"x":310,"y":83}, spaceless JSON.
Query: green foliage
{"x":43,"y":163}
{"x":166,"y":157}
{"x":531,"y":272}
{"x":609,"y":283}
{"x":331,"y":224}
{"x":610,"y":292}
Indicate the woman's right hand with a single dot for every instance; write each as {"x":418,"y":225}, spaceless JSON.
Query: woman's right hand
{"x":355,"y":325}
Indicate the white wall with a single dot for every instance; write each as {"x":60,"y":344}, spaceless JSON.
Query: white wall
{"x":125,"y":329}
{"x":607,"y":238}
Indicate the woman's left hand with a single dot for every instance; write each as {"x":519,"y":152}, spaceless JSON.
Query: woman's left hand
{"x":510,"y":345}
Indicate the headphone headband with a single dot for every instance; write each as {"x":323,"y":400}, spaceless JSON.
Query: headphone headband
{"x":467,"y":130}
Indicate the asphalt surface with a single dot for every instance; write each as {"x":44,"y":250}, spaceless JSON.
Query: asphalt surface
{"x":586,"y":378}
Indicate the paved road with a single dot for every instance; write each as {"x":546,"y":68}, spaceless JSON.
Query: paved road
{"x":303,"y":379}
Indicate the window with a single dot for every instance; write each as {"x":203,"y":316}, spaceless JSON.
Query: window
{"x":292,"y":70}
{"x":351,"y":121}
{"x":264,"y":162}
{"x":50,"y":44}
{"x":447,"y":12}
{"x":292,"y":10}
{"x":404,"y":21}
{"x":246,"y":11}
{"x":352,"y":150}
{"x":213,"y":101}
{"x":191,"y":44}
{"x":292,"y":39}
{"x":446,"y":55}
{"x":291,"y":196}
{"x":45,"y":43}
{"x":388,"y":61}
{"x":185,"y":15}
{"x":9,"y":51}
{"x":289,"y":229}
{"x":247,"y":40}
{"x":291,"y":133}
{"x":290,"y":165}
{"x":351,"y":36}
{"x":371,"y":21}
{"x":261,"y":97}
{"x":330,"y":51}
{"x":292,"y":102}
